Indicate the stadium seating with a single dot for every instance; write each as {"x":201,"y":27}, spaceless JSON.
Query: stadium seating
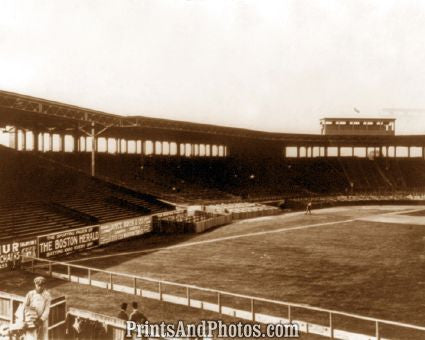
{"x":208,"y":179}
{"x":40,"y":196}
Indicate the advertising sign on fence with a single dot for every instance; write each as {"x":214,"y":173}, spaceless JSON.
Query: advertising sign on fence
{"x":66,"y":242}
{"x":114,"y":231}
{"x":10,"y":252}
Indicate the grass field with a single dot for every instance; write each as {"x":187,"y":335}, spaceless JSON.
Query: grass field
{"x":334,"y":259}
{"x":357,"y":266}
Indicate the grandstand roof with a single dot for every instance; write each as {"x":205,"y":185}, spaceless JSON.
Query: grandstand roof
{"x":36,"y":113}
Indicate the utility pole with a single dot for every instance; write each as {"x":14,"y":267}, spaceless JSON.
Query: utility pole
{"x":93,"y":135}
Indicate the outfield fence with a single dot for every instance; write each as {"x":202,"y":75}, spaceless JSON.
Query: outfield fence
{"x":321,"y":321}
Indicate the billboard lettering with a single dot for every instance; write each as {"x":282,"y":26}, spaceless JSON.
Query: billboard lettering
{"x":67,"y":242}
{"x":114,"y":231}
{"x":10,"y":253}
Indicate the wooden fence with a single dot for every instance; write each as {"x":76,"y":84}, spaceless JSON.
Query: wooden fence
{"x":180,"y":222}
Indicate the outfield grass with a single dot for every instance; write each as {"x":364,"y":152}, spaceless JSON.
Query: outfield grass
{"x":359,"y":267}
{"x":367,"y":268}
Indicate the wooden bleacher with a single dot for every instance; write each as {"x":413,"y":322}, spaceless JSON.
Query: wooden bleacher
{"x":39,"y":196}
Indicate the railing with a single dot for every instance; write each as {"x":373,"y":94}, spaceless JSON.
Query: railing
{"x":258,"y":310}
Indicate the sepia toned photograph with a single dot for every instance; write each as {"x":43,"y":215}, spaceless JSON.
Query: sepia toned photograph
{"x":212,"y":169}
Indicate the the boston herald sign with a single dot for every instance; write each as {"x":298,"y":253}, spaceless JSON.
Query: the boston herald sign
{"x":67,"y":242}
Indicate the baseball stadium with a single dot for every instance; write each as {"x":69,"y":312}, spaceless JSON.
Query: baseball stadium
{"x":205,"y":222}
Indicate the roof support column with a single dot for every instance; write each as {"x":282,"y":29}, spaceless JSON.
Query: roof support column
{"x":43,"y":147}
{"x":178,"y":149}
{"x":143,"y":147}
{"x":298,"y":151}
{"x":24,"y":140}
{"x":62,"y":142}
{"x":339,"y":151}
{"x":35,"y":135}
{"x":118,"y":145}
{"x":76,"y":141}
{"x":408,"y":151}
{"x":16,"y":138}
{"x":50,"y":141}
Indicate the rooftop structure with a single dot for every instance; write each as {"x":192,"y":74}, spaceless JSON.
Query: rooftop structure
{"x":358,"y":126}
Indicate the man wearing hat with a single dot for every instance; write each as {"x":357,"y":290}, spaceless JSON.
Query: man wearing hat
{"x":37,"y":307}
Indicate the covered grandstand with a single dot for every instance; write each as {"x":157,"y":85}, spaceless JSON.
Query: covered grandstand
{"x":188,"y":162}
{"x":73,"y":179}
{"x":67,"y":167}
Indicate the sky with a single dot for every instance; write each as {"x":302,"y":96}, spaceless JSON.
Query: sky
{"x":265,"y":65}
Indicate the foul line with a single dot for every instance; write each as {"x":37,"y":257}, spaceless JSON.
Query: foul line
{"x":226,"y":238}
{"x":219,"y":239}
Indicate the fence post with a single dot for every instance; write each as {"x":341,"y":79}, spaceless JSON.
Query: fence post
{"x":110,"y":281}
{"x":331,"y":327}
{"x":160,"y":290}
{"x":89,"y":276}
{"x":219,"y":302}
{"x":188,"y":295}
{"x":11,"y":311}
{"x":377,"y":336}
{"x":252,"y":310}
{"x":289,"y":314}
{"x":135,"y":285}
